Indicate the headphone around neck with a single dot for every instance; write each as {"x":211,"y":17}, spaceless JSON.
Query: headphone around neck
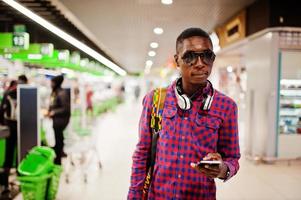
{"x":185,"y":103}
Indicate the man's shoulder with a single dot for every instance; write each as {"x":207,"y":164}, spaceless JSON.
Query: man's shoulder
{"x":223,"y":98}
{"x":149,"y":95}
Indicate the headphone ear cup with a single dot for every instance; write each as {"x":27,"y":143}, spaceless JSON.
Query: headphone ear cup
{"x":187,"y":102}
{"x":183,"y":101}
{"x":207,"y":102}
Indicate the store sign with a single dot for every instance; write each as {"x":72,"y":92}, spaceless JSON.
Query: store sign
{"x":21,"y":40}
{"x":19,"y":28}
{"x":47,"y":49}
{"x":63,"y":55}
{"x":75,"y":58}
{"x":84,"y":62}
{"x":233,"y":30}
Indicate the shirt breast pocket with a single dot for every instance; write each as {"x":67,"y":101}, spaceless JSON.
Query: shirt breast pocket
{"x":168,"y":123}
{"x":206,"y":129}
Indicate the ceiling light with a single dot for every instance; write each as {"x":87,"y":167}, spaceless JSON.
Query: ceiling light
{"x":147,"y":69}
{"x":154,"y":45}
{"x":166,"y":2}
{"x":65,"y":36}
{"x":151,"y":53}
{"x":158,"y":30}
{"x":149,"y":63}
{"x":230,"y":69}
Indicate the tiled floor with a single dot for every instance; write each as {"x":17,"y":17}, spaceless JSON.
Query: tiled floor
{"x":116,"y":138}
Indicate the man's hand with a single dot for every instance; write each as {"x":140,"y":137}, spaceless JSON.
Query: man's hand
{"x":49,"y":114}
{"x":212,"y":171}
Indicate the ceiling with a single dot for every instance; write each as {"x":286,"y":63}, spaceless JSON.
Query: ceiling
{"x":52,"y":13}
{"x":124,"y":28}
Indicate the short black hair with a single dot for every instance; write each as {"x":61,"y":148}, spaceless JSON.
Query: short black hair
{"x":22,"y":79}
{"x":190,"y":32}
{"x":58,"y":80}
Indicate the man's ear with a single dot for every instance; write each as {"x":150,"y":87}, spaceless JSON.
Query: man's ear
{"x":176,"y":57}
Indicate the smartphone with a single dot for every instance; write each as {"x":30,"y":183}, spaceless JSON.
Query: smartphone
{"x":202,"y":163}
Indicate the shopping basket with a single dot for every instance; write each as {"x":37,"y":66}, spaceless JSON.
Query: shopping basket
{"x":39,"y":161}
{"x":34,"y":187}
{"x":39,"y":176}
{"x":54,"y":182}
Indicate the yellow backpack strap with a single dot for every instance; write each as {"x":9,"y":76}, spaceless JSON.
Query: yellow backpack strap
{"x":157,"y":108}
{"x":156,"y":121}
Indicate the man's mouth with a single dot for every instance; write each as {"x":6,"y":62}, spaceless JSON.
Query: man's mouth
{"x":200,"y":74}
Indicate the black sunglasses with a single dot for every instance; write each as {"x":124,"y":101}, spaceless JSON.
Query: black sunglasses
{"x":191,"y":57}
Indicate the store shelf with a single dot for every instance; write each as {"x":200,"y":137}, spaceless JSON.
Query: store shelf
{"x":290,"y":89}
{"x":290,"y":108}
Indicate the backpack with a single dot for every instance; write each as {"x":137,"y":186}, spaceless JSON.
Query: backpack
{"x":10,"y":109}
{"x":156,"y":126}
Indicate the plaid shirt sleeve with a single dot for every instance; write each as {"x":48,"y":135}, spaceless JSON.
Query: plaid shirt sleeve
{"x":142,"y":151}
{"x":228,"y":143}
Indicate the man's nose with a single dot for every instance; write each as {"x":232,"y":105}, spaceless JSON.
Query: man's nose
{"x":199,"y":62}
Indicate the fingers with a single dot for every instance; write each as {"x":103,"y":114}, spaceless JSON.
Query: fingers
{"x":212,"y":171}
{"x":208,"y":170}
{"x":213,"y":156}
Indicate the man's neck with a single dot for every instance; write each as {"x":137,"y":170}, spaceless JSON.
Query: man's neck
{"x":191,"y":89}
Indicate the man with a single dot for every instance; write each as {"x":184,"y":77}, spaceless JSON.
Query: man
{"x":59,"y":111}
{"x":9,"y":107}
{"x":198,"y":123}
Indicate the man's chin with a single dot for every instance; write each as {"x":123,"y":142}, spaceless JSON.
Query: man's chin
{"x":199,"y":80}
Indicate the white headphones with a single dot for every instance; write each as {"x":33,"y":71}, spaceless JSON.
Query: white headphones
{"x":184,"y":101}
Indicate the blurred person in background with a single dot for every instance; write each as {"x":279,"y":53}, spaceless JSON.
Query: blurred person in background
{"x":59,"y":111}
{"x":12,"y":85}
{"x":137,"y":92}
{"x":9,"y":112}
{"x":89,"y":95}
{"x":198,"y":124}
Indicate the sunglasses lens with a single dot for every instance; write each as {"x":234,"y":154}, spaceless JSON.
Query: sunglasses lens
{"x":209,"y":57}
{"x":191,"y":57}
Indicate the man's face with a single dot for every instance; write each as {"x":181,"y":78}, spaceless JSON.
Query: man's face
{"x":195,"y":58}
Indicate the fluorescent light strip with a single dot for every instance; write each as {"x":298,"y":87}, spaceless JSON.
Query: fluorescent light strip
{"x":65,"y":36}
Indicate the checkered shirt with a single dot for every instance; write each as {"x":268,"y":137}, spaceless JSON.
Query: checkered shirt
{"x":186,"y":136}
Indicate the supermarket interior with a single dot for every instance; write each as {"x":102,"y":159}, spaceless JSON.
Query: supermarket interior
{"x":77,"y":80}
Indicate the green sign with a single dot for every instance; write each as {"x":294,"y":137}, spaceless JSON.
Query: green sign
{"x":19,"y":28}
{"x":63,"y":55}
{"x":47,"y":49}
{"x":75,"y":58}
{"x":21,"y":40}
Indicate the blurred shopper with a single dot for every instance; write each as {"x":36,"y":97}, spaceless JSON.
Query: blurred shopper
{"x":9,"y":108}
{"x":89,"y":95}
{"x":59,"y":111}
{"x":137,"y":92}
{"x":121,"y":92}
{"x":198,"y":123}
{"x":12,"y":85}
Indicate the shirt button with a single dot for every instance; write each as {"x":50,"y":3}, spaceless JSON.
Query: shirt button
{"x":179,"y":176}
{"x":181,"y":156}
